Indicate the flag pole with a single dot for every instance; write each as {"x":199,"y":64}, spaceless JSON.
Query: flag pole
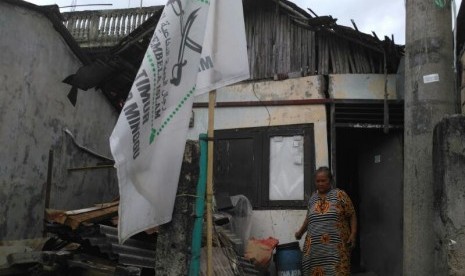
{"x":211,"y":120}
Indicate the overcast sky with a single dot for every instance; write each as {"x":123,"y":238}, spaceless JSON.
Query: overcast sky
{"x":385,"y":17}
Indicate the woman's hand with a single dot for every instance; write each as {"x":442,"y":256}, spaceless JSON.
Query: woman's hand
{"x":351,"y":240}
{"x":298,"y":235}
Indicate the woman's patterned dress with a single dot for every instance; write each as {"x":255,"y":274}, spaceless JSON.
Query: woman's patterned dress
{"x":325,"y":250}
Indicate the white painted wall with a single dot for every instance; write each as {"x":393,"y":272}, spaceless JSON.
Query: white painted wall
{"x":362,"y":86}
{"x":244,"y":117}
{"x":280,"y":224}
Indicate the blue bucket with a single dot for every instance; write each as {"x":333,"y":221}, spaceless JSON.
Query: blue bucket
{"x":288,"y":259}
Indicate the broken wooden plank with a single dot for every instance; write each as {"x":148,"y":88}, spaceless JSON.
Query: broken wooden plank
{"x":74,"y":218}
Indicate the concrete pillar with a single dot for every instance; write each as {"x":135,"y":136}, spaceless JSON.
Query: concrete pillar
{"x":429,"y":96}
{"x":449,"y":193}
{"x":462,"y":89}
{"x":175,"y":238}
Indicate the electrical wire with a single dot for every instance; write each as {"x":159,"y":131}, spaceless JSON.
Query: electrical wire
{"x":261,"y":102}
{"x":454,"y":21}
{"x":456,"y":88}
{"x":67,"y":131}
{"x":73,"y":5}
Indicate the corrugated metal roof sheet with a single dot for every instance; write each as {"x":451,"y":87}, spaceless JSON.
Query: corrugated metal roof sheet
{"x":133,"y":252}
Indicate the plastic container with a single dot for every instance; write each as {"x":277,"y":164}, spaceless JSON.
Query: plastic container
{"x":288,"y":259}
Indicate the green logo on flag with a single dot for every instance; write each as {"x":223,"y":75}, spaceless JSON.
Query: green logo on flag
{"x":154,"y":133}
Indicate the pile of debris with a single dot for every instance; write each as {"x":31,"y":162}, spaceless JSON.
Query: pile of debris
{"x":85,"y":242}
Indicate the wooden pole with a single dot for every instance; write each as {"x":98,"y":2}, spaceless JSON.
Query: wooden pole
{"x":48,"y":187}
{"x":211,"y":120}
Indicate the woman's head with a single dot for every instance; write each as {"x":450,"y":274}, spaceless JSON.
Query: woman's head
{"x":323,"y":179}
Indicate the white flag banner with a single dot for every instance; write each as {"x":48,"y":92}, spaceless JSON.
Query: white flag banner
{"x":149,"y":138}
{"x":224,"y":55}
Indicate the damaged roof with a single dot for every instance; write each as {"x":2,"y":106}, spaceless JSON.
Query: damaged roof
{"x":293,"y":40}
{"x":113,"y":69}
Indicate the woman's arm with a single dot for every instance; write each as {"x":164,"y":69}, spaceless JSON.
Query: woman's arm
{"x":301,"y":231}
{"x":352,"y":216}
{"x":353,"y":230}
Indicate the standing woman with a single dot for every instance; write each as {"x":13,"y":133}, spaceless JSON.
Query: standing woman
{"x":331,"y":226}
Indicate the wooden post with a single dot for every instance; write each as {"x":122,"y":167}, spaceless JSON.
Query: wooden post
{"x":211,"y":120}
{"x":48,"y":188}
{"x":48,"y":185}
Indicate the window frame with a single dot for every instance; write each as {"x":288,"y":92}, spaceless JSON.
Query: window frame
{"x":308,"y":166}
{"x":261,"y":138}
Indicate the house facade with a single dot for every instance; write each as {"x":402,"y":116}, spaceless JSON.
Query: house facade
{"x":320,"y":94}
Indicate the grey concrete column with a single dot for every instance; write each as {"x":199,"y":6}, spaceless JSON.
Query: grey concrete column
{"x":175,"y":238}
{"x":429,"y":96}
{"x":449,"y":193}
{"x":462,"y":89}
